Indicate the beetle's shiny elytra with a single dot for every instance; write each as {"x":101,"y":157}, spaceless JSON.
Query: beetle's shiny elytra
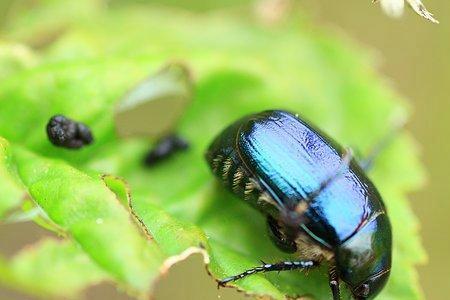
{"x":318,"y":201}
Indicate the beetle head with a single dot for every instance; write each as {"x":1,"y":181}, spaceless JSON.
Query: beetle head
{"x":364,"y":260}
{"x":371,"y":287}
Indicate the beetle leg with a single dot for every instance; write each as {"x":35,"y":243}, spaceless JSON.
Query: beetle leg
{"x":334,"y":283}
{"x":295,"y":216}
{"x":282,"y":237}
{"x":346,"y":158}
{"x":281,"y":266}
{"x":367,"y":163}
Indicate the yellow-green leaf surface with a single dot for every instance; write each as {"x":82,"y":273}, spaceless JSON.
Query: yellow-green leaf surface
{"x":84,"y":207}
{"x":51,"y":269}
{"x":240,"y":66}
{"x":12,"y":192}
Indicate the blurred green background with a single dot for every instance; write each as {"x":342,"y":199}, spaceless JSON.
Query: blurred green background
{"x":413,"y":55}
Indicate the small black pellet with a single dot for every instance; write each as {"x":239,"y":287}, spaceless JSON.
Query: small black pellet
{"x":67,"y":133}
{"x":165,"y":148}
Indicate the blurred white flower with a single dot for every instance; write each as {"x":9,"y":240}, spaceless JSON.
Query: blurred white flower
{"x":394,"y":8}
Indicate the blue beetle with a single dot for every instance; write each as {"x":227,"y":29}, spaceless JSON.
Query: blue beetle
{"x":318,"y":201}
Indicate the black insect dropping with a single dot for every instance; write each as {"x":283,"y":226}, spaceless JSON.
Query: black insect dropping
{"x":165,"y":147}
{"x":67,"y":133}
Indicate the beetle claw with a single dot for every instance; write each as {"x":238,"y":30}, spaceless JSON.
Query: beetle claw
{"x":223,"y":282}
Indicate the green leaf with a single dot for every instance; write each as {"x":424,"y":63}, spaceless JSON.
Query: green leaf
{"x":240,"y":67}
{"x":89,"y":211}
{"x":14,"y":57}
{"x":12,"y":192}
{"x":61,"y":267}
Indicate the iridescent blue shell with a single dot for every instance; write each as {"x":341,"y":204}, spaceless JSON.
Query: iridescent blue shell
{"x":274,"y":160}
